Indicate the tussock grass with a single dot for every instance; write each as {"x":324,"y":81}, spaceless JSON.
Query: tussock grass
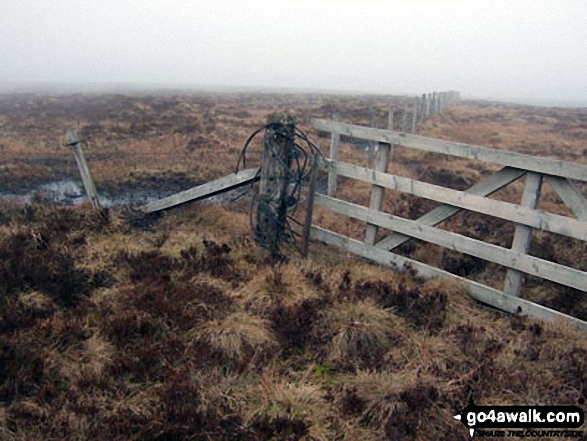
{"x":180,"y":327}
{"x":359,"y":333}
{"x":207,"y":343}
{"x":239,"y":337}
{"x":290,"y":410}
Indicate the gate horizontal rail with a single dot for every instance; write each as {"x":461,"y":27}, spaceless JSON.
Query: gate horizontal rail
{"x":525,"y":215}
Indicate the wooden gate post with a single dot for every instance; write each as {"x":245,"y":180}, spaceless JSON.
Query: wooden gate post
{"x":372,"y":148}
{"x":272,"y":205}
{"x":310,"y":210}
{"x":84,"y":170}
{"x":384,"y":153}
{"x":334,"y":148}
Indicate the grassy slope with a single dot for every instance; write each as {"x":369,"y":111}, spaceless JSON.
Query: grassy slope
{"x":186,"y":330}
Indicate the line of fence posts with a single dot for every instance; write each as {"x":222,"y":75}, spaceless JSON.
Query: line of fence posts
{"x":380,"y":154}
{"x":410,"y":114}
{"x":433,"y":103}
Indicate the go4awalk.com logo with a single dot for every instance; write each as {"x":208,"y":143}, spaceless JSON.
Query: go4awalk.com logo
{"x":522,"y":421}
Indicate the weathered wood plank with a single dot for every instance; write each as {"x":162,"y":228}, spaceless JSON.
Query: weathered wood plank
{"x":377,"y":192}
{"x":208,"y":189}
{"x":518,"y":160}
{"x":488,"y":186}
{"x":83,"y":167}
{"x":492,"y":253}
{"x":503,"y":210}
{"x":478,"y":291}
{"x":523,"y":233}
{"x":334,"y":149}
{"x":570,"y":196}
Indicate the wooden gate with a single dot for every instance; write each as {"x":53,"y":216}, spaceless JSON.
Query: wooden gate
{"x":525,"y":215}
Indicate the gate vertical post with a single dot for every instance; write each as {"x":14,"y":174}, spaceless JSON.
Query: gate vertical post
{"x":372,"y":147}
{"x":310,"y":209}
{"x":384,"y":153}
{"x":334,"y":148}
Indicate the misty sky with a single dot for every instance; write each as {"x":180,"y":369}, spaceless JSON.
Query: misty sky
{"x":525,"y":49}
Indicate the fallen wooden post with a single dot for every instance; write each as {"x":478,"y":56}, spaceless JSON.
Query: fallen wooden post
{"x":84,"y":170}
{"x":208,"y":189}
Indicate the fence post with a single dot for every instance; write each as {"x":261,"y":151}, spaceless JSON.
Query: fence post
{"x":390,"y":119}
{"x":404,"y":115}
{"x":84,"y":170}
{"x":310,"y":210}
{"x":272,"y":205}
{"x":334,"y":148}
{"x":423,"y":108}
{"x":414,"y":115}
{"x":523,"y":233}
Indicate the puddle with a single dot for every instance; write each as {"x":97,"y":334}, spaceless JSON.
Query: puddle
{"x":70,"y":192}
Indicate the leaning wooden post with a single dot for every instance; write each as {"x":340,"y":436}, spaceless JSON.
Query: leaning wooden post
{"x":84,"y":170}
{"x":310,"y":210}
{"x":334,"y":148}
{"x":523,"y":233}
{"x":272,"y":204}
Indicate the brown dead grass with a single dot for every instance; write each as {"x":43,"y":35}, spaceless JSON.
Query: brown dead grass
{"x":184,"y":329}
{"x":173,"y":347}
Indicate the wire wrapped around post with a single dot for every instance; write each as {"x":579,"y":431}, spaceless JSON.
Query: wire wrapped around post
{"x":284,"y":170}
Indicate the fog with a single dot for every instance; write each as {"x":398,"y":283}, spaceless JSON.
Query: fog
{"x":525,"y":50}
